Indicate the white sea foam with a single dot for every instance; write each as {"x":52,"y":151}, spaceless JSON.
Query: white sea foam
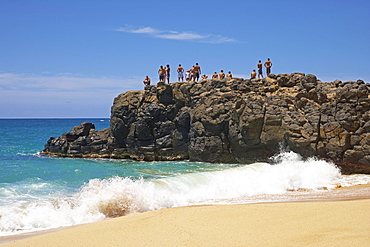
{"x":117,"y":196}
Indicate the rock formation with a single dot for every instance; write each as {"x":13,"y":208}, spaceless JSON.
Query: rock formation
{"x":236,"y":120}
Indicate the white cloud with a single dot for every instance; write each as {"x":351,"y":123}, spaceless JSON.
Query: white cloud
{"x":147,"y":30}
{"x":180,"y":36}
{"x":175,"y":35}
{"x":64,"y":83}
{"x":25,"y":95}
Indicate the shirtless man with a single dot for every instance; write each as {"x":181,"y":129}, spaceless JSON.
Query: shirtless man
{"x":268,"y":65}
{"x":229,"y":75}
{"x":253,"y":74}
{"x":197,"y":71}
{"x":180,"y":73}
{"x":192,"y":73}
{"x":146,"y":81}
{"x":161,"y":73}
{"x":222,"y":74}
{"x":259,"y":66}
{"x":215,"y":75}
{"x":204,"y":77}
{"x":168,"y":73}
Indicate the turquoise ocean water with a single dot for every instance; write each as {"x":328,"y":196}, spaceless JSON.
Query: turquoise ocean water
{"x":40,"y":192}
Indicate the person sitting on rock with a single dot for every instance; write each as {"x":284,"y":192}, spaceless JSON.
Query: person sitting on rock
{"x":229,"y":75}
{"x":187,"y":76}
{"x":215,"y":75}
{"x":253,"y":74}
{"x":146,"y":81}
{"x":222,"y":74}
{"x":204,"y":77}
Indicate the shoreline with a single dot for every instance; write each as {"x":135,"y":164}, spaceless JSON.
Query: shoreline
{"x":345,"y":200}
{"x":335,"y":223}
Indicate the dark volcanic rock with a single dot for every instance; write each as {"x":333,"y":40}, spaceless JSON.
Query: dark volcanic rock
{"x":235,"y":120}
{"x":81,"y":140}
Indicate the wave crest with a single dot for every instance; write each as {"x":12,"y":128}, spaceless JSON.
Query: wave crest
{"x":118,"y":196}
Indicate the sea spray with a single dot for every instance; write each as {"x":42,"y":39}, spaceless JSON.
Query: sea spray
{"x":118,"y":196}
{"x":312,"y":173}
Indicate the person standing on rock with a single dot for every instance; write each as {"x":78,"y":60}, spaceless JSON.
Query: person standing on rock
{"x":192,"y":73}
{"x":268,"y":65}
{"x":197,"y":71}
{"x":180,"y":73}
{"x":161,"y":73}
{"x":259,"y":66}
{"x":253,"y":74}
{"x":222,"y":74}
{"x":168,"y":73}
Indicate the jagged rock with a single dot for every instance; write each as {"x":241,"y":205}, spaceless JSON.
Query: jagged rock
{"x":219,"y":120}
{"x":81,"y":140}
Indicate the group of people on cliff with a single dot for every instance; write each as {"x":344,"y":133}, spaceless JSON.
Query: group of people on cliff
{"x":164,"y":74}
{"x":268,"y":65}
{"x":193,"y":74}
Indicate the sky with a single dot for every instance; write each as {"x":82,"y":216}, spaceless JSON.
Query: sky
{"x":70,"y":59}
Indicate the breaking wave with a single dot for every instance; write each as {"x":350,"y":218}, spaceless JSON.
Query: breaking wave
{"x":118,"y":196}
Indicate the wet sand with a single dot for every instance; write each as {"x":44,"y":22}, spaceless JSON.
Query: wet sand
{"x":338,"y":221}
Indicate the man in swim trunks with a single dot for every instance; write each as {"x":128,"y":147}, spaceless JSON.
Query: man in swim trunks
{"x":196,"y":71}
{"x":180,"y":73}
{"x":268,"y":65}
{"x":222,"y":74}
{"x":168,"y":73}
{"x":229,"y":75}
{"x":192,"y":73}
{"x":146,"y":81}
{"x":215,"y":75}
{"x":259,"y":66}
{"x":161,"y":73}
{"x":204,"y":77}
{"x":253,"y":74}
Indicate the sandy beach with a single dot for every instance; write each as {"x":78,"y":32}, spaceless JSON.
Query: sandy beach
{"x":311,"y":223}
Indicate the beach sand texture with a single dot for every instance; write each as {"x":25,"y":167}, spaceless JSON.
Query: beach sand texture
{"x":310,"y":223}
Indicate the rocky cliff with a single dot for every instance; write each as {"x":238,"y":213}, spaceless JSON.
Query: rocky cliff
{"x":219,"y":120}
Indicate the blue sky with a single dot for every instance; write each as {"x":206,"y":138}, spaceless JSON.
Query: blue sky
{"x":71,"y":58}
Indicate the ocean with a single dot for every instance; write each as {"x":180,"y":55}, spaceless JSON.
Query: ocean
{"x":39,"y":192}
